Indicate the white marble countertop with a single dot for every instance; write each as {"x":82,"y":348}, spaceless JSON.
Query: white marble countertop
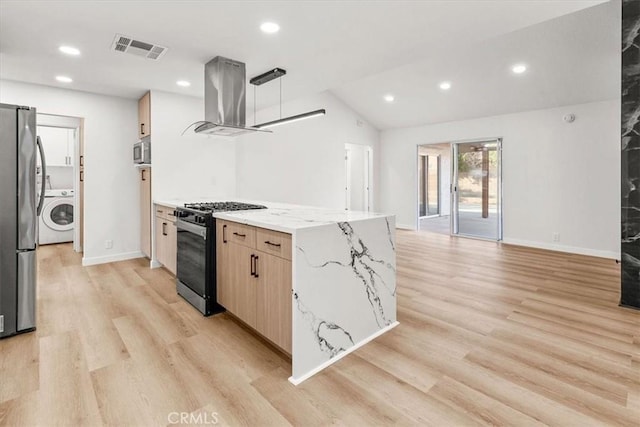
{"x":281,"y":216}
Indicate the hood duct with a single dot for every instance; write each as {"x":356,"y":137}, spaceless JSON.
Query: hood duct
{"x":225,"y":99}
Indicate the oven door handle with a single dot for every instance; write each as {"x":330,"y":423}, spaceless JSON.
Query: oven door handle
{"x":192,"y":228}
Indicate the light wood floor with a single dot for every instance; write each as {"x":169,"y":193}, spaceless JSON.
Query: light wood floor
{"x":489,"y":334}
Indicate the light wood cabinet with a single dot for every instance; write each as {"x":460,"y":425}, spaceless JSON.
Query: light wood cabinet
{"x":242,"y":283}
{"x":252,"y":284}
{"x":224,"y":290}
{"x":166,"y":238}
{"x":144,"y":115}
{"x":274,"y":243}
{"x":145,"y":210}
{"x":273,"y":310}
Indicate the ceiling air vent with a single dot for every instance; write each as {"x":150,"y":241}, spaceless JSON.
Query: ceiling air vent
{"x":136,"y":47}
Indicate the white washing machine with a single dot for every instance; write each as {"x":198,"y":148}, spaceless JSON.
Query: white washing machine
{"x":56,"y":220}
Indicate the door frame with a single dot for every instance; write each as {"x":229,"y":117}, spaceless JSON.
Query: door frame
{"x":439,"y":163}
{"x":347,"y":173}
{"x":367,"y":169}
{"x":75,"y":123}
{"x":416,"y":201}
{"x":453,"y":218}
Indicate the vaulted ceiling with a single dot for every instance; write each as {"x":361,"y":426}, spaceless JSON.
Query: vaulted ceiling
{"x":360,"y":50}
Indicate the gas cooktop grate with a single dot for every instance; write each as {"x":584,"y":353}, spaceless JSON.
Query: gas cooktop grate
{"x":221,"y":206}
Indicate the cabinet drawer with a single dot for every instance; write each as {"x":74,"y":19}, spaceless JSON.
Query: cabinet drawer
{"x":274,"y":243}
{"x":165,"y":212}
{"x":239,"y":233}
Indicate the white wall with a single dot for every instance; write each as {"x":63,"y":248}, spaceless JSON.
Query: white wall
{"x":191,"y":167}
{"x":303,"y":162}
{"x":110,"y":178}
{"x":558,"y":177}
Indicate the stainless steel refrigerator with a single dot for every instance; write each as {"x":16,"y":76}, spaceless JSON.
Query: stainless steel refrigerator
{"x":20,"y":206}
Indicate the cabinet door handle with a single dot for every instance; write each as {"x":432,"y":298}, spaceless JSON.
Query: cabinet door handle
{"x":239,"y":235}
{"x":141,"y":128}
{"x":81,"y":160}
{"x":224,"y":233}
{"x":255,"y":267}
{"x":81,"y":176}
{"x":164,"y":229}
{"x":253,"y":273}
{"x":277,"y":245}
{"x":143,"y":177}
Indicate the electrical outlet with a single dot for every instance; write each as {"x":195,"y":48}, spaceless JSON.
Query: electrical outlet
{"x":108,"y":244}
{"x":555,"y":236}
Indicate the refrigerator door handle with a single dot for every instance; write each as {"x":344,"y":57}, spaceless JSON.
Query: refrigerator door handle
{"x":44,"y":176}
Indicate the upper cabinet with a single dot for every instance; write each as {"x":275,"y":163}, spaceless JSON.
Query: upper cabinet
{"x":144,"y":115}
{"x":58,"y":145}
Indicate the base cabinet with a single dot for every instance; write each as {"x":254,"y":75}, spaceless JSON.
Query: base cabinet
{"x":254,"y":285}
{"x":273,"y":299}
{"x":166,"y":238}
{"x":242,"y":286}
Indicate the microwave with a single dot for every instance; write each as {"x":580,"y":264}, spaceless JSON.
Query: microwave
{"x":142,"y":151}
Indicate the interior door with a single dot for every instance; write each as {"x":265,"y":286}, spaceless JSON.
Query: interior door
{"x":476,"y":202}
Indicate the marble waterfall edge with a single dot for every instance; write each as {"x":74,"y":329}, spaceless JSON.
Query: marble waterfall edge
{"x":344,"y":290}
{"x":630,"y":115}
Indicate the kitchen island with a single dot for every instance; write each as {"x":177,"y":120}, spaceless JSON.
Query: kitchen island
{"x":343,"y":277}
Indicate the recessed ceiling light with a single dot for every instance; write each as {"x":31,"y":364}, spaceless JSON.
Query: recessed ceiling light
{"x":270,"y":27}
{"x":389,"y":98}
{"x":64,"y":79}
{"x":183,"y":83}
{"x":69,"y":50}
{"x":519,"y":68}
{"x":445,"y":85}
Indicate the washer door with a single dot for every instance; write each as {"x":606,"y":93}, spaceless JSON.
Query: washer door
{"x":58,"y":214}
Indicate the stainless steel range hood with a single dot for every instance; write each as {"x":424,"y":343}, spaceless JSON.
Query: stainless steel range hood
{"x":225,"y":99}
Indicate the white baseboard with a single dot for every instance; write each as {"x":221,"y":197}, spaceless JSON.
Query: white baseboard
{"x":296,"y":381}
{"x":406,"y":227}
{"x":154,"y":263}
{"x":563,"y":248}
{"x":111,"y":258}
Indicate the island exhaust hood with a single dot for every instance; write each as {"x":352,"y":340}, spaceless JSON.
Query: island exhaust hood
{"x":225,"y":99}
{"x":225,"y":91}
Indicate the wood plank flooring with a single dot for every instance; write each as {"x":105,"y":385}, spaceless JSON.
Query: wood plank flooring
{"x":489,"y":334}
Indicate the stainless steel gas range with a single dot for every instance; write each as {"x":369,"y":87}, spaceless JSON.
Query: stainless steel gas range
{"x":196,"y":267}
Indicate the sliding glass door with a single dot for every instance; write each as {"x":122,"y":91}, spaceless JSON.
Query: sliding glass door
{"x":476,"y":204}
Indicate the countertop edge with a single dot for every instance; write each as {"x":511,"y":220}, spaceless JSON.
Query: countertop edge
{"x":283,"y":228}
{"x":229,"y":216}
